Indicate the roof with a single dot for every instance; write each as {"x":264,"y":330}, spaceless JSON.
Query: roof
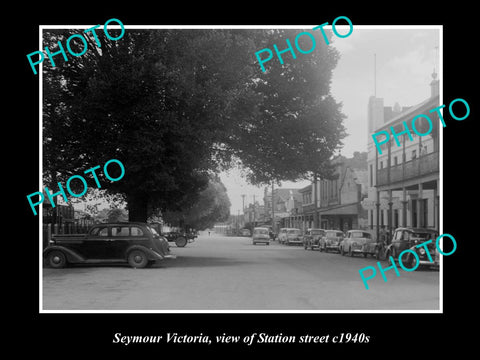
{"x":284,"y":193}
{"x":427,"y":104}
{"x":305,"y":189}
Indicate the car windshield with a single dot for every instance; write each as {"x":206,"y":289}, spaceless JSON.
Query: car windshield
{"x":317,"y":232}
{"x":293,"y":231}
{"x":360,"y":235}
{"x":422,"y":235}
{"x":261,"y":231}
{"x":333,"y":233}
{"x":154,"y":232}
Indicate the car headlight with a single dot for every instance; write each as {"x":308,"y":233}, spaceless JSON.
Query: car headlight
{"x":421,"y":251}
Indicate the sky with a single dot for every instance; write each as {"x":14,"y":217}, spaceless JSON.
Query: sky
{"x":405,"y":59}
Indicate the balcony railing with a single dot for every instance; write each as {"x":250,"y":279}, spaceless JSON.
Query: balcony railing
{"x":424,"y":165}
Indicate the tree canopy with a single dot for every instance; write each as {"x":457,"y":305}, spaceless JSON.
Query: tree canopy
{"x":176,"y":106}
{"x":211,"y":206}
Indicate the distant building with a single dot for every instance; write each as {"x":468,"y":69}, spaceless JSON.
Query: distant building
{"x":334,"y":203}
{"x":285,"y":201}
{"x":254,"y":214}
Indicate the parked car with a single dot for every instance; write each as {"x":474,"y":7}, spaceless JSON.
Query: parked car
{"x":354,"y":242}
{"x":331,"y":240}
{"x":312,"y":237}
{"x":245,"y":232}
{"x":373,"y":248}
{"x":134,"y":243}
{"x":261,"y":235}
{"x":282,"y":235}
{"x":180,"y":238}
{"x":408,"y":238}
{"x":293,"y":236}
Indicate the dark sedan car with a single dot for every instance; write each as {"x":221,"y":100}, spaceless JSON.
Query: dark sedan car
{"x":311,"y":239}
{"x":408,"y":238}
{"x":331,"y":240}
{"x":137,"y":244}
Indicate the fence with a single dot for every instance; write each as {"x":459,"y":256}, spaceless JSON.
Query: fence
{"x":56,"y":229}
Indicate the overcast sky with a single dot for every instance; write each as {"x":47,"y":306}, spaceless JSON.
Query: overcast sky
{"x":405,"y":59}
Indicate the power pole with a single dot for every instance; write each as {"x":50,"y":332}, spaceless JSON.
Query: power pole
{"x":243,"y":203}
{"x":315,"y":199}
{"x":273,"y":209}
{"x":254,"y":212}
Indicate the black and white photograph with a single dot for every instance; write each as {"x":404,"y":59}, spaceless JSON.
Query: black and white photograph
{"x":236,"y":188}
{"x":248,"y":184}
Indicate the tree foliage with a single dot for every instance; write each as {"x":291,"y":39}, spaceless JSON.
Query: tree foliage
{"x":211,"y":206}
{"x":176,"y":106}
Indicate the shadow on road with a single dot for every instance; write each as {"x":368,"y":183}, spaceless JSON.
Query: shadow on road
{"x":203,"y":261}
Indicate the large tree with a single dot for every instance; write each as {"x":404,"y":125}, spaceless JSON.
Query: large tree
{"x":211,"y":206}
{"x":175,"y":106}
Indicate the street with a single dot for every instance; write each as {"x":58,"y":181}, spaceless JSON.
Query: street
{"x":229,"y":273}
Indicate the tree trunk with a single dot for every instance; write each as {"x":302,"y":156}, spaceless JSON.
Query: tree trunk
{"x":137,"y":208}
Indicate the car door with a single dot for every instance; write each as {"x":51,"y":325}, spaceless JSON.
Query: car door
{"x":119,"y":242}
{"x":96,"y":243}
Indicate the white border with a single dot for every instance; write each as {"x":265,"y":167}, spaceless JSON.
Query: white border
{"x":440,"y":193}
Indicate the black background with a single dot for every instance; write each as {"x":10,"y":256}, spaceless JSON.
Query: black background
{"x":81,"y":335}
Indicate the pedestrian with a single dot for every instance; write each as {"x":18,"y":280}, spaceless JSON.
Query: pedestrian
{"x":209,"y":233}
{"x":383,"y":235}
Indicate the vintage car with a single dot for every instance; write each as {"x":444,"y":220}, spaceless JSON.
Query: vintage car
{"x":354,"y":242}
{"x":282,"y":235}
{"x":331,"y":240}
{"x":408,"y":238}
{"x":261,"y":235}
{"x":180,"y":238}
{"x":293,"y":236}
{"x":312,"y":237}
{"x":134,"y":243}
{"x":245,"y":232}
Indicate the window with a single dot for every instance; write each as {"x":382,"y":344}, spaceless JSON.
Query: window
{"x":100,"y":231}
{"x":135,"y":231}
{"x":154,"y":232}
{"x":260,"y":231}
{"x":395,"y":160}
{"x":120,"y":231}
{"x":414,"y":154}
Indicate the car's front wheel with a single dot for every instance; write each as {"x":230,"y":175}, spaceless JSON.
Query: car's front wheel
{"x":137,"y":259}
{"x":56,"y":259}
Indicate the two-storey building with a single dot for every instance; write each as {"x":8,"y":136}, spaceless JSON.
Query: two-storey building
{"x":403,"y":180}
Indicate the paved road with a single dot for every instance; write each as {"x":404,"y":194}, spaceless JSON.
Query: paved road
{"x":229,"y":273}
